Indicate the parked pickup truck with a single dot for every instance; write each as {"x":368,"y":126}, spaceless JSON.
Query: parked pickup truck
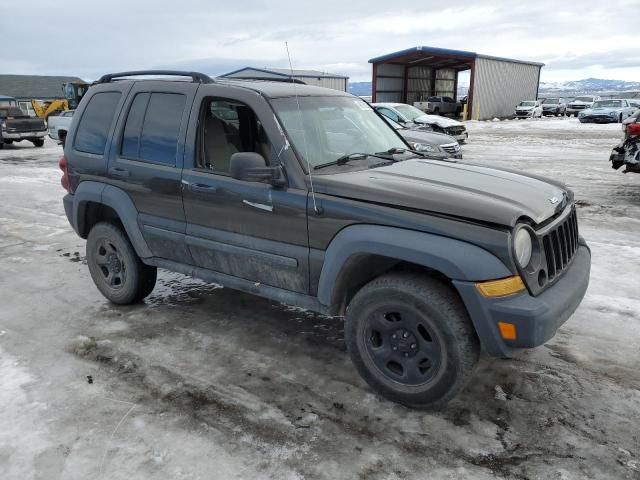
{"x":58,"y":126}
{"x":579,"y":104}
{"x":439,"y":106}
{"x":428,"y":260}
{"x":16,"y":126}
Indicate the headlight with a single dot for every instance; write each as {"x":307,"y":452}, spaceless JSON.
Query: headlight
{"x":423,"y":147}
{"x":612,"y":114}
{"x":522,"y":246}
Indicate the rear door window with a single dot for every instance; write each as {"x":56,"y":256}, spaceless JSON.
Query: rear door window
{"x":93,"y":130}
{"x":153,"y":126}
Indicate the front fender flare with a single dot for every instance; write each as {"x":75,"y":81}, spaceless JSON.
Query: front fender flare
{"x":453,"y":258}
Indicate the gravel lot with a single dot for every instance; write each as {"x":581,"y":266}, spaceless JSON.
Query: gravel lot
{"x":204,"y":382}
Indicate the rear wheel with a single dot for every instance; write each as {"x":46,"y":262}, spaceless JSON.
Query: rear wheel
{"x":436,"y":111}
{"x":410,"y":338}
{"x":115,"y":267}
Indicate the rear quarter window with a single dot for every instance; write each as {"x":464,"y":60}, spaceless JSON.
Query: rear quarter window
{"x":152,"y":127}
{"x":95,"y":123}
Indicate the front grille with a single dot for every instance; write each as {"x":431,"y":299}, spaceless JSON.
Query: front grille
{"x":560,"y":245}
{"x":450,"y":148}
{"x":577,"y":107}
{"x":454,"y":130}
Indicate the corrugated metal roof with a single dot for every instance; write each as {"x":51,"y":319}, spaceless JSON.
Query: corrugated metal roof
{"x":444,"y":52}
{"x":286,"y":72}
{"x":34,"y":86}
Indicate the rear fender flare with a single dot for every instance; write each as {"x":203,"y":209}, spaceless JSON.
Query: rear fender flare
{"x":119,"y":201}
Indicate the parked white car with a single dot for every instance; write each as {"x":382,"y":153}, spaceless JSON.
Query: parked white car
{"x":528,"y":109}
{"x":58,"y":125}
{"x":410,"y":116}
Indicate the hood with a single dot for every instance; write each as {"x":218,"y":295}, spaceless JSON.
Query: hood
{"x":442,"y":122}
{"x":601,"y":110}
{"x":580,"y":102}
{"x":523,"y":107}
{"x":422,"y":136}
{"x":458,"y":189}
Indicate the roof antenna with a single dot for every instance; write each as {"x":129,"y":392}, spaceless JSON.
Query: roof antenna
{"x":306,"y":152}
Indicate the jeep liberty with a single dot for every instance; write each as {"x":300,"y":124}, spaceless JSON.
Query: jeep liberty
{"x":263,"y":187}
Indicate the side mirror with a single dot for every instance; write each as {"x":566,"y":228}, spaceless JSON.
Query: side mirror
{"x":252,"y":167}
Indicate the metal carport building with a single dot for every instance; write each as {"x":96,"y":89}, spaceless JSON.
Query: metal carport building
{"x":496,"y":84}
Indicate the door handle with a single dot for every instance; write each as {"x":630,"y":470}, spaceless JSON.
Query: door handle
{"x":119,"y":172}
{"x":202,"y":187}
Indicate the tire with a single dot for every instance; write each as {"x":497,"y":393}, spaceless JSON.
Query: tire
{"x":410,"y":338}
{"x":620,"y":119}
{"x":62,"y":135}
{"x":115,"y":267}
{"x":38,"y":142}
{"x":436,"y":111}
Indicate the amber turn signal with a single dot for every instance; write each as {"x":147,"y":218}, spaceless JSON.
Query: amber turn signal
{"x":507,"y":330}
{"x":501,"y":288}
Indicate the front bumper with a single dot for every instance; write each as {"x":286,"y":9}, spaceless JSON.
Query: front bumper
{"x":598,"y":118}
{"x":23,"y":135}
{"x":536,"y":318}
{"x":526,"y":114}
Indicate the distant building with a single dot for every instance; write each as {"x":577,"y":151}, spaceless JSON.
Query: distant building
{"x":310,"y":77}
{"x":496,"y":86}
{"x":25,"y":87}
{"x":7,"y":101}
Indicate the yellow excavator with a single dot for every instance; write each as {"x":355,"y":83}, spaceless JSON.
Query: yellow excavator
{"x":73,"y":93}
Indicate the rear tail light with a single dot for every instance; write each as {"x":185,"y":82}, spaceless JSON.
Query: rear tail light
{"x":633,"y":129}
{"x":64,"y":181}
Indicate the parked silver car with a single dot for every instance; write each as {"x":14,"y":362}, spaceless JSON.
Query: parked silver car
{"x":607,"y":111}
{"x":410,"y":116}
{"x":554,"y":106}
{"x":426,"y":141}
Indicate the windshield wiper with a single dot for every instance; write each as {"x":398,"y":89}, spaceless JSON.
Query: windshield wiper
{"x":353,"y":156}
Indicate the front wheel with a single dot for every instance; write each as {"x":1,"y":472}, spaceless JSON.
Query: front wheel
{"x":411,"y":339}
{"x":38,"y":142}
{"x":115,"y":267}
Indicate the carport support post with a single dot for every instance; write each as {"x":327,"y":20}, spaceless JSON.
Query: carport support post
{"x":373,"y":82}
{"x":472,"y":77}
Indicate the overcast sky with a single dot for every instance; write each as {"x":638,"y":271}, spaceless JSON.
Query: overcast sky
{"x":576,"y":40}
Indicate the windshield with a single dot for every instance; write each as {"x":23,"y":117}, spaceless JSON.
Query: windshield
{"x":584,"y":99}
{"x":550,"y":100}
{"x":608,"y":103}
{"x":11,"y":112}
{"x":527,"y":104}
{"x":409,"y":111}
{"x":327,"y":128}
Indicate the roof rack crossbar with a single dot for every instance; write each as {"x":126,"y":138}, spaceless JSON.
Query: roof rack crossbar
{"x":196,"y":77}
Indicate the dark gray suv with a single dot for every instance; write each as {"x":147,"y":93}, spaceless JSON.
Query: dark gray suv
{"x":262,"y":187}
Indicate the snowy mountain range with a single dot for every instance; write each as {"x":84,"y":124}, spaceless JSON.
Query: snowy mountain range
{"x":588,"y":85}
{"x":591,"y":85}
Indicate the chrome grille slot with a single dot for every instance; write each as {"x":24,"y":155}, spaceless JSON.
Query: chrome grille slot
{"x":560,"y":245}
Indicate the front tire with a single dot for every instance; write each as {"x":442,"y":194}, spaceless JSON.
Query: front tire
{"x":38,"y":142}
{"x":115,"y":267}
{"x":411,"y":339}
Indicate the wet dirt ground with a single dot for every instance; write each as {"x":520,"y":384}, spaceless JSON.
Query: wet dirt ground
{"x":201,"y":382}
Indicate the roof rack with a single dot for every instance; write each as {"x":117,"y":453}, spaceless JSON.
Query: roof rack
{"x":267,"y":79}
{"x":196,"y":77}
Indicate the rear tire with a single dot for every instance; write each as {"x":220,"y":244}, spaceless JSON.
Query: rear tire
{"x":115,"y":267}
{"x":436,"y":111}
{"x":411,"y":339}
